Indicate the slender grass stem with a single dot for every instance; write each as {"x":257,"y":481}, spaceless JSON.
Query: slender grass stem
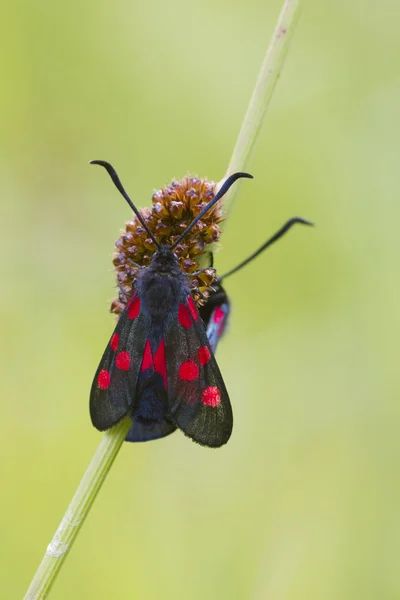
{"x":78,"y":510}
{"x":261,"y":97}
{"x":112,"y":440}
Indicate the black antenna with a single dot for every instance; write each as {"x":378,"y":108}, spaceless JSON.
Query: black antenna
{"x":269,"y":242}
{"x":225,"y":187}
{"x":117,"y":182}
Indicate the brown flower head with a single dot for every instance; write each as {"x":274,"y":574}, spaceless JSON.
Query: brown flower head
{"x":174,"y":208}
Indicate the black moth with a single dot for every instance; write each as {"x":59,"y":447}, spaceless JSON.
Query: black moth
{"x":158,"y":366}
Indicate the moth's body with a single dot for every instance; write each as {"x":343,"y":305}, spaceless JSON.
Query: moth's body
{"x":161,"y":286}
{"x":159,"y":366}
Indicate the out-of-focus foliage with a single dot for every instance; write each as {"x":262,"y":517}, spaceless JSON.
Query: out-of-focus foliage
{"x":304,"y":500}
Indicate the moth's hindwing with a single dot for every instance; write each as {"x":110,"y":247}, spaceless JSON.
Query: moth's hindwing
{"x":217,"y":324}
{"x":215,"y":313}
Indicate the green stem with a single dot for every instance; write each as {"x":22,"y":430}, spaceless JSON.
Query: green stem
{"x":261,"y":97}
{"x":78,"y":510}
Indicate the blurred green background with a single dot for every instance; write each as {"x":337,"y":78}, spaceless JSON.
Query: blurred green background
{"x":304,"y":500}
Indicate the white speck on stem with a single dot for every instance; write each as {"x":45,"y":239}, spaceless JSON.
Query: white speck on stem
{"x":57,"y":547}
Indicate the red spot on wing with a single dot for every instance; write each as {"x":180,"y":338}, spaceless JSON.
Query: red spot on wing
{"x":184,"y":316}
{"x":188,"y":371}
{"x":193,"y":309}
{"x":211,"y":396}
{"x":103,"y":380}
{"x":204,"y":355}
{"x":147,"y":361}
{"x":218,"y":315}
{"x":123,"y":360}
{"x":134,"y":308}
{"x":114,"y":342}
{"x":160,"y":364}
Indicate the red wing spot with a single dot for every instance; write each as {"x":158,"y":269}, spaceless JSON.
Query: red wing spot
{"x":184,"y":316}
{"x":204,"y":355}
{"x":160,"y":364}
{"x":188,"y":371}
{"x":114,"y":342}
{"x":218,"y":315}
{"x":103,"y":380}
{"x":147,"y":361}
{"x":123,"y":360}
{"x":193,"y":309}
{"x":211,"y":396}
{"x":134,"y":308}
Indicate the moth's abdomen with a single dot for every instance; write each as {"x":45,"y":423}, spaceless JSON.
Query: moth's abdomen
{"x":151,"y":406}
{"x":150,"y":414}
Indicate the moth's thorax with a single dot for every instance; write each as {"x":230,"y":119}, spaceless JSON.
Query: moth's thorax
{"x":162,"y":283}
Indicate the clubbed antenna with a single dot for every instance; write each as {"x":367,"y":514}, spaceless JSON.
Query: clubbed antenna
{"x":227,"y":184}
{"x":269,"y":242}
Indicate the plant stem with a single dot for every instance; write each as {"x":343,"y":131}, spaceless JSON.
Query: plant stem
{"x":78,"y":510}
{"x":261,"y":97}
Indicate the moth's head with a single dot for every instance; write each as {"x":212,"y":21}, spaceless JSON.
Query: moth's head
{"x":165,"y":260}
